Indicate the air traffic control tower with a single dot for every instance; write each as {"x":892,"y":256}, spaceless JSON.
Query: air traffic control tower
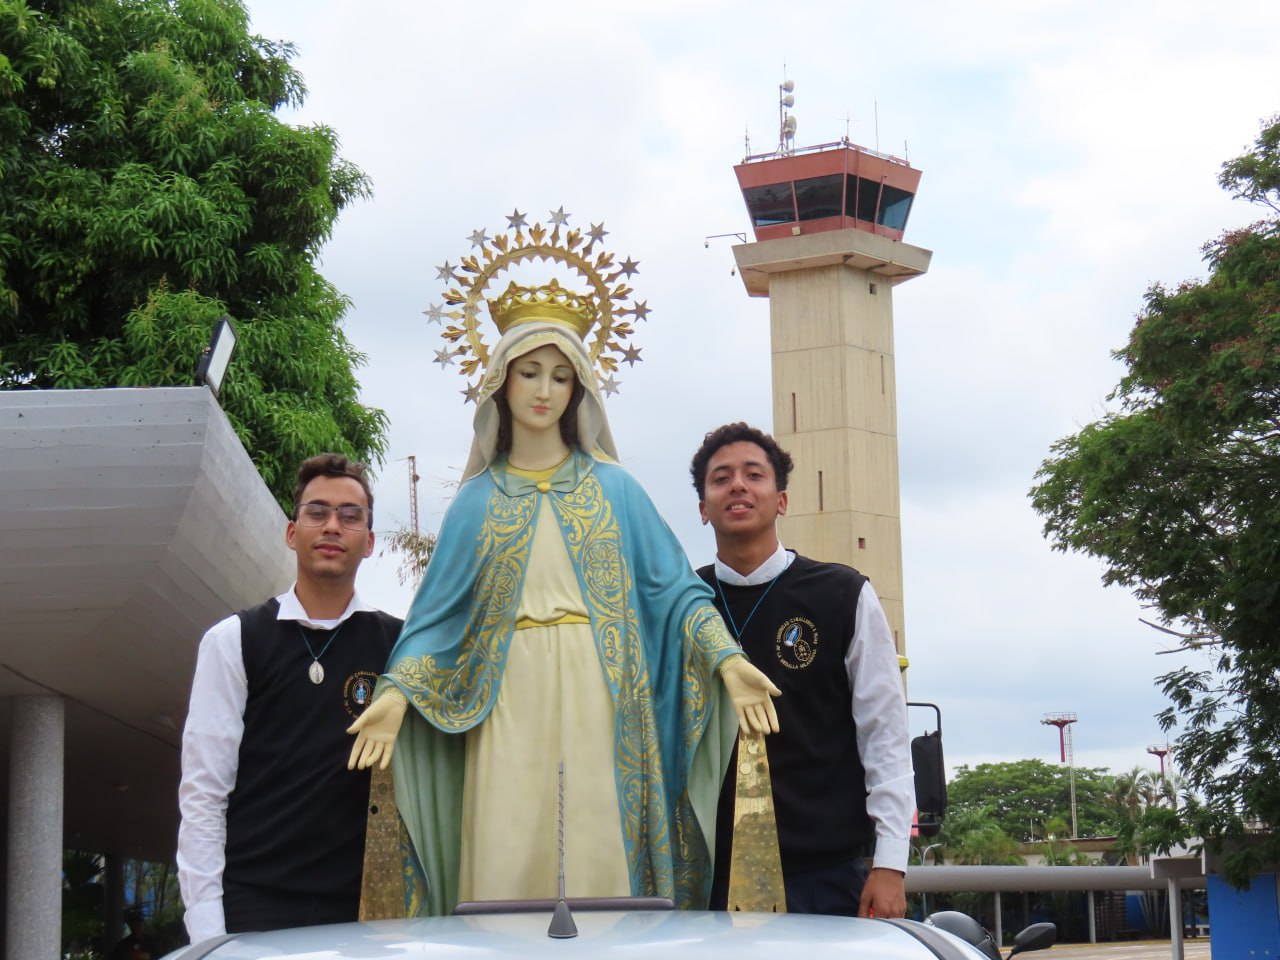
{"x":828,"y":251}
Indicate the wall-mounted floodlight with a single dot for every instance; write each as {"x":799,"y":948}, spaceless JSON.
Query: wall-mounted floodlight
{"x":217,"y":355}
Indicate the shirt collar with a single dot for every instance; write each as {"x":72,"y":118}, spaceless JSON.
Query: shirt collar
{"x":771,"y":568}
{"x":291,"y":609}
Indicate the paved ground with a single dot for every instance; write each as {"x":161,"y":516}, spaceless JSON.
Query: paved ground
{"x":1196,"y":949}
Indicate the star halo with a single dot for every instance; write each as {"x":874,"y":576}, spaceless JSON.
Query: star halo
{"x":610,"y":292}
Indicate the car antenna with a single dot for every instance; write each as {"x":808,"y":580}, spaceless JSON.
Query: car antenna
{"x":562,"y":925}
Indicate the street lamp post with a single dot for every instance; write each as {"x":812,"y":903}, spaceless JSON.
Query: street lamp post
{"x":924,"y":897}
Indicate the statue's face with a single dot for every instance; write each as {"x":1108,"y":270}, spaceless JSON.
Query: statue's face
{"x":539,"y":387}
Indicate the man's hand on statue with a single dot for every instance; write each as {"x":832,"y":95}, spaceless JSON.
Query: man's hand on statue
{"x":752,"y":694}
{"x":884,"y":894}
{"x":376,"y":730}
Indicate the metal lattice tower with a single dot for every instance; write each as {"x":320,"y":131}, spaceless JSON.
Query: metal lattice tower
{"x":413,"y":493}
{"x":1063,"y":722}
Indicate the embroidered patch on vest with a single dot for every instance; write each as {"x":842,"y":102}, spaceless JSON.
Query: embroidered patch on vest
{"x":797,"y":643}
{"x":357,"y":692}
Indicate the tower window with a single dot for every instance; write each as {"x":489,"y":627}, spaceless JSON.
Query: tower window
{"x":818,"y":197}
{"x":895,"y":204}
{"x":770,"y":204}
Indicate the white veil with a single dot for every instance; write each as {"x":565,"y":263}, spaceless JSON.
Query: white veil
{"x":594,"y":437}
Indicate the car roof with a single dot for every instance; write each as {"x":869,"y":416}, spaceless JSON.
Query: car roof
{"x":677,"y":935}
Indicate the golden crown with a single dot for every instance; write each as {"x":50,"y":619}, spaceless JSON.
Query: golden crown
{"x":600,"y":314}
{"x":550,"y":301}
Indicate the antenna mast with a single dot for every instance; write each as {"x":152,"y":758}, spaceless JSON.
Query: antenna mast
{"x":413,"y":493}
{"x":786,"y":122}
{"x":562,"y":925}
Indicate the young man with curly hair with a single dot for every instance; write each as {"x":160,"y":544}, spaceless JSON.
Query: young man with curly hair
{"x":843,"y":787}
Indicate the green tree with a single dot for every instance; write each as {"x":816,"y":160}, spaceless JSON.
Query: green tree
{"x":82,"y":900}
{"x":1144,"y":814}
{"x":1024,"y":796}
{"x":146,"y":188}
{"x":1066,"y":856}
{"x":971,"y":835}
{"x":1178,"y":492}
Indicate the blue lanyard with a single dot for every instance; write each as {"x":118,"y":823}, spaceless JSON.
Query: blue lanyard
{"x":737,"y":633}
{"x":332,"y":637}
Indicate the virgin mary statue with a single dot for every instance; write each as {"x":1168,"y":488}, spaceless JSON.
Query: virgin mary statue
{"x":558,"y":622}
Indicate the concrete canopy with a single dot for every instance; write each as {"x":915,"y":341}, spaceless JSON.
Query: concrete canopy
{"x":131,"y":520}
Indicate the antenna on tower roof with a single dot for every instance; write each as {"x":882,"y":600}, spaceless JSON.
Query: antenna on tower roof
{"x":786,"y":122}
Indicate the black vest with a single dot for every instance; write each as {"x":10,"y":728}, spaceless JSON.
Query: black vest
{"x":296,"y":818}
{"x":798,"y":636}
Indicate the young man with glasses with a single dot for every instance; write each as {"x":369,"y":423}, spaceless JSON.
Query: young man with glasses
{"x":273,"y":823}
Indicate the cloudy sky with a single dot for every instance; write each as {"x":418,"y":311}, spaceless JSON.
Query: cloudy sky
{"x":1070,"y":153}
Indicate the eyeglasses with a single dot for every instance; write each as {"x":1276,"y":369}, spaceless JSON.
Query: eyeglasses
{"x":351,"y":516}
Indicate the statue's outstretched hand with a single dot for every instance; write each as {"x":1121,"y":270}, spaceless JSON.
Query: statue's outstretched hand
{"x":376,"y":730}
{"x":752,"y":694}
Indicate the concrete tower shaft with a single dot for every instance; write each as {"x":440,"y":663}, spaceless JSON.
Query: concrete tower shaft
{"x":834,"y":393}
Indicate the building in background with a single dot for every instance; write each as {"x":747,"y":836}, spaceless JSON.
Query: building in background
{"x":828,"y":251}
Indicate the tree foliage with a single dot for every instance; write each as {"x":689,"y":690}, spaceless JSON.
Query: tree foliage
{"x":969,"y":835}
{"x":146,"y":188}
{"x":415,"y":551}
{"x":1144,"y":813}
{"x":1178,"y":492}
{"x":1025,"y":797}
{"x":82,"y":902}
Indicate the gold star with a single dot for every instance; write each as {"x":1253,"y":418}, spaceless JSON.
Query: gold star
{"x":630,"y":354}
{"x":630,"y":267}
{"x":516,"y":220}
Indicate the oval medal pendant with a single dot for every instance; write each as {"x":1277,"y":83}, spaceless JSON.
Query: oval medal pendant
{"x":316,"y":672}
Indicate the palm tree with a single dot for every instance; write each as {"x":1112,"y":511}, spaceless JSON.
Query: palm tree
{"x":1133,"y":794}
{"x":1130,"y":791}
{"x":1172,"y":789}
{"x":971,"y":835}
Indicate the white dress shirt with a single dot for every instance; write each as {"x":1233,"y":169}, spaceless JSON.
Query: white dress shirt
{"x":879,"y":711}
{"x":210,"y":757}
